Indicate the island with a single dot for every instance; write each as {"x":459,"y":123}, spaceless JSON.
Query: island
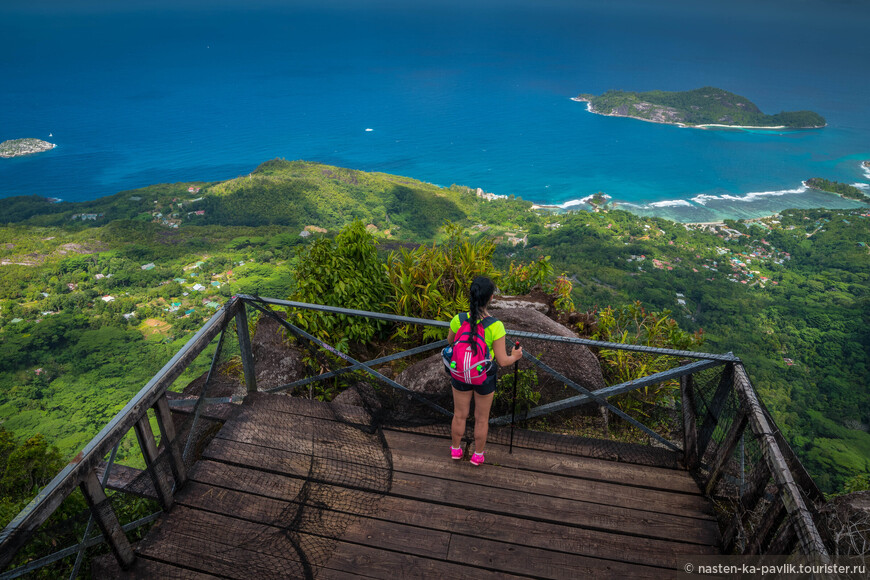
{"x":707,"y":107}
{"x":20,"y":147}
{"x":842,"y":189}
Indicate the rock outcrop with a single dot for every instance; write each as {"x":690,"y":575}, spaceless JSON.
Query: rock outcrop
{"x":20,"y":147}
{"x":276,"y":362}
{"x":574,"y":361}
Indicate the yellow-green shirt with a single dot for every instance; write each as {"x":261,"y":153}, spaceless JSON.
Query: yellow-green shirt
{"x":491,"y":333}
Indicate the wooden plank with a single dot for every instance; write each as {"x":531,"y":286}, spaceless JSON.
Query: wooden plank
{"x":628,"y":453}
{"x":271,"y":431}
{"x":415,"y":458}
{"x":255,"y":550}
{"x":257,"y":482}
{"x":308,"y":407}
{"x":106,"y":519}
{"x":326,"y":470}
{"x":211,"y":556}
{"x":557,"y":510}
{"x":562,"y":464}
{"x":105,"y":567}
{"x":459,"y":520}
{"x":374,"y":563}
{"x":544,"y":563}
{"x":419,"y":460}
{"x":580,"y":446}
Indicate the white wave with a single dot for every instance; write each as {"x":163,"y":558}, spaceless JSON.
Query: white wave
{"x":369,"y":130}
{"x":671,"y":203}
{"x":702,"y":199}
{"x":574,"y":202}
{"x":860,"y":185}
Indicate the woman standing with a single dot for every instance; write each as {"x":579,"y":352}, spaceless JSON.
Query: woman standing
{"x":476,"y":327}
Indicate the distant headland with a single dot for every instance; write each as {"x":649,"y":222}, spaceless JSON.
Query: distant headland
{"x":20,"y":147}
{"x":707,"y":107}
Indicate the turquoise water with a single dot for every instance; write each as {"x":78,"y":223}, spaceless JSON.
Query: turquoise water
{"x":470,"y":93}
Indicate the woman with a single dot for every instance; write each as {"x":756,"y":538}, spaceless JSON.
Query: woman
{"x":479,"y":295}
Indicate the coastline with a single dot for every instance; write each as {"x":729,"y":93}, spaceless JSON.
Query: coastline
{"x":709,"y":208}
{"x":590,"y":109}
{"x":22,"y":147}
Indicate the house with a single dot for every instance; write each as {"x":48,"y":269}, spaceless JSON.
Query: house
{"x":129,"y":315}
{"x":149,"y":266}
{"x":200,"y":212}
{"x":198,"y":287}
{"x":108,"y":299}
{"x":193,"y":189}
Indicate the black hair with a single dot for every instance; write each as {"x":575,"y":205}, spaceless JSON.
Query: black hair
{"x":479,"y":295}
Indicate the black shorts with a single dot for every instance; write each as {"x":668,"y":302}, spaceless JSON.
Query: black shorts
{"x":485,"y":388}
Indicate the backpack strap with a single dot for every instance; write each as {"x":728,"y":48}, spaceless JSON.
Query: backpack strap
{"x":488,"y":321}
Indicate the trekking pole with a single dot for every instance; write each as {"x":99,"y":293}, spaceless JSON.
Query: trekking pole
{"x":514,"y":401}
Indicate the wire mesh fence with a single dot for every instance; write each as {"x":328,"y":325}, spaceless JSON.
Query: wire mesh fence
{"x":340,"y":466}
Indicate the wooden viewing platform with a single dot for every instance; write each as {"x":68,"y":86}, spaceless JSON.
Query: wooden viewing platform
{"x":534,"y":513}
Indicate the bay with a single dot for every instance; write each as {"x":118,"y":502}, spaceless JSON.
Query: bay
{"x":470,"y":93}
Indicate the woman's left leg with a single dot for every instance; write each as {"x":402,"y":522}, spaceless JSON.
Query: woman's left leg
{"x":482,"y":404}
{"x":461,"y":406}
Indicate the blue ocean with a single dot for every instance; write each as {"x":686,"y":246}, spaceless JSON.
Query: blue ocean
{"x":473,"y":92}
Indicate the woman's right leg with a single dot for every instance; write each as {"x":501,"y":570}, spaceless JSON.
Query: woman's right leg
{"x":461,"y":406}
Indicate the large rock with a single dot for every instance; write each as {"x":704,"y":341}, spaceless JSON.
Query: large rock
{"x":275,"y":361}
{"x":574,"y":361}
{"x":428,"y":376}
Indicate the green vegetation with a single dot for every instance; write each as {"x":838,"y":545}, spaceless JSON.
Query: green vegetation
{"x":96,"y":296}
{"x":704,"y":106}
{"x":18,"y":147}
{"x":843,"y":189}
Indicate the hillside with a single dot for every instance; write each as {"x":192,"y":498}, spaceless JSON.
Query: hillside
{"x":700,"y":107}
{"x":95,"y":296}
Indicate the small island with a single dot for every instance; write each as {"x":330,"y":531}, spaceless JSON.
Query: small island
{"x":842,"y":189}
{"x":20,"y":147}
{"x":707,"y":107}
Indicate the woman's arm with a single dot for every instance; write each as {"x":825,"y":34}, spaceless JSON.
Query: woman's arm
{"x":501,"y":356}
{"x":450,"y":336}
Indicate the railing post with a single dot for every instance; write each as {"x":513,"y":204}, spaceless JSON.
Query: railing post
{"x":162,"y":485}
{"x":711,"y":417}
{"x":690,"y":422}
{"x":245,"y":347}
{"x":107,"y":520}
{"x":724,"y":452}
{"x":765,"y":528}
{"x":170,"y":441}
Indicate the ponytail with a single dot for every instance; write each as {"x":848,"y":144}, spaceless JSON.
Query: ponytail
{"x":479,"y":295}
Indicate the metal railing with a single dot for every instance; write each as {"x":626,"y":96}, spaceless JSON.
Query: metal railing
{"x":766,"y":504}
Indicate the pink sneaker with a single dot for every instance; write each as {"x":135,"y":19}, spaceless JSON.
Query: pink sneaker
{"x":455,"y":453}
{"x":477,"y":458}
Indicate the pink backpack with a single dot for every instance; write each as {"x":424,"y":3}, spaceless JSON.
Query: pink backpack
{"x":464,"y":362}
